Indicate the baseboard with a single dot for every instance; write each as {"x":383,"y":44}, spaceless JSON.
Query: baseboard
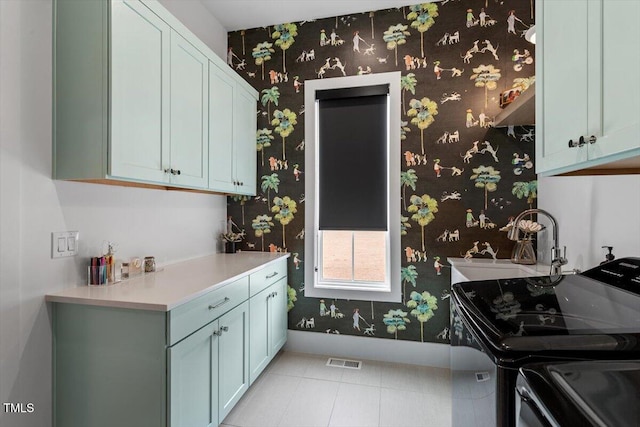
{"x":385,"y":350}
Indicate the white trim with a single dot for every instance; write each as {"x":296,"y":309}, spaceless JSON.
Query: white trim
{"x":394,"y":294}
{"x":354,"y":347}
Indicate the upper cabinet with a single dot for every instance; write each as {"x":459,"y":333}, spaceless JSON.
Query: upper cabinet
{"x":588,"y":112}
{"x":233,"y":139}
{"x":133,"y":100}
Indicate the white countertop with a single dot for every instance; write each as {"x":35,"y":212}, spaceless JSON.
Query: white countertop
{"x":174,"y":285}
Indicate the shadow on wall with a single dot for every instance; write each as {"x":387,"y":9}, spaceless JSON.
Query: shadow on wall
{"x":462,"y":180}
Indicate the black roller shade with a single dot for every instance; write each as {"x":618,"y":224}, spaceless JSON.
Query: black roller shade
{"x":352,"y":159}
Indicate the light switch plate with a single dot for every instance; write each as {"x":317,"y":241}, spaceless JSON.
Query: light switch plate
{"x":64,"y":244}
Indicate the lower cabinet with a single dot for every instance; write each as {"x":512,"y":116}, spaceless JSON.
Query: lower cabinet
{"x":268,"y":326}
{"x":193,"y":370}
{"x":187,"y":367}
{"x":209,"y":371}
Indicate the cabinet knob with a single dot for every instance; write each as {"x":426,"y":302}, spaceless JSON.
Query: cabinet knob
{"x":592,"y":139}
{"x":224,"y":329}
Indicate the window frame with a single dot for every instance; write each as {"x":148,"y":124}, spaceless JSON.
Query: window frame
{"x":375,"y":291}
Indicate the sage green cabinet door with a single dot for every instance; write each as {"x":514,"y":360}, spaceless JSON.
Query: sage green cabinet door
{"x":267,"y":326}
{"x":278,"y":317}
{"x":259,"y":323}
{"x":233,"y":367}
{"x":189,"y":114}
{"x":140,"y":46}
{"x":193,"y":375}
{"x":620,"y":89}
{"x":562,"y":84}
{"x":244,"y":139}
{"x":221,"y":154}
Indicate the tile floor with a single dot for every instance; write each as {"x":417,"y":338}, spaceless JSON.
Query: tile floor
{"x":299,"y":390}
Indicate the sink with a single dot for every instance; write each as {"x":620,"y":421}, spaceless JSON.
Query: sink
{"x":463,"y":270}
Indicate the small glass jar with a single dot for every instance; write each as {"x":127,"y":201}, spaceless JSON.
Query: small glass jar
{"x":124,"y":270}
{"x":149,"y":264}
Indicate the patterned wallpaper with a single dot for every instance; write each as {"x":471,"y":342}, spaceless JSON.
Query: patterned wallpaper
{"x":462,"y":179}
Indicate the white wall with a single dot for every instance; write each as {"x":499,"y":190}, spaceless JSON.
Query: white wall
{"x":593,"y":211}
{"x":168,"y":224}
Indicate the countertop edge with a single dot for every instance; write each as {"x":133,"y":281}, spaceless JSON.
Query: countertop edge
{"x":65,"y":296}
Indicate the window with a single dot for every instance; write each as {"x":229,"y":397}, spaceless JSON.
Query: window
{"x":352,"y":214}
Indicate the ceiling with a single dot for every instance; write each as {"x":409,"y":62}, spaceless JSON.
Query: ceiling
{"x":245,"y":14}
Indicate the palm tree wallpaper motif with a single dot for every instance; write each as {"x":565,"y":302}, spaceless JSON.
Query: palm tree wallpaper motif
{"x":423,"y":112}
{"x":407,"y":83}
{"x":486,"y":177}
{"x":270,"y":96}
{"x":284,"y":122}
{"x":423,"y":306}
{"x":423,"y":17}
{"x":285,"y":208}
{"x":409,"y":274}
{"x":262,"y":225}
{"x":284,"y":35}
{"x":486,"y":76}
{"x":270,"y":182}
{"x":423,"y":210}
{"x":526,"y":189}
{"x":410,"y":40}
{"x":263,"y":140}
{"x":395,"y":36}
{"x":407,"y":179}
{"x":262,"y":53}
{"x":396,"y":320}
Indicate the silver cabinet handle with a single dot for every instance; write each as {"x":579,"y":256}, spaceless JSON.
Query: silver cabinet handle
{"x":582,"y":141}
{"x":224,"y":301}
{"x":269,"y":276}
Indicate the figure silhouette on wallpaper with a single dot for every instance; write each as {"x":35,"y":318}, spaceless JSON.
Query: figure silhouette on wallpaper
{"x":470,"y":18}
{"x":437,"y":70}
{"x":230,"y":56}
{"x":471,"y":121}
{"x":438,"y":266}
{"x":356,"y":41}
{"x":437,"y":168}
{"x":297,"y":84}
{"x":323,"y":38}
{"x":296,"y":261}
{"x":470,"y":219}
{"x":362,"y":71}
{"x":334,"y":37}
{"x":323,"y":308}
{"x":454,"y":38}
{"x":483,"y":17}
{"x":482,"y":217}
{"x":511,"y":22}
{"x":356,"y":319}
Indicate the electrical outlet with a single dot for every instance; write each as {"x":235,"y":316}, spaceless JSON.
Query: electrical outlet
{"x":64,"y":244}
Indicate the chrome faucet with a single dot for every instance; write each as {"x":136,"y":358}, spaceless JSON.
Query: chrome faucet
{"x":558,"y":259}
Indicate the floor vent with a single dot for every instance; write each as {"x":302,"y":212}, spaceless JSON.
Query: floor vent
{"x":482,"y":376}
{"x":344,"y":363}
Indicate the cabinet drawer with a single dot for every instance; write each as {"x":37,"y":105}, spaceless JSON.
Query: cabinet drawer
{"x":264,"y":278}
{"x":189,"y":317}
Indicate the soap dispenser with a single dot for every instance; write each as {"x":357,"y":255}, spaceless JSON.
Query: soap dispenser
{"x":610,"y":256}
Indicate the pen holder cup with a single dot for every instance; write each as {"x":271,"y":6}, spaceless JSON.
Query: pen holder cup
{"x":100,"y":275}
